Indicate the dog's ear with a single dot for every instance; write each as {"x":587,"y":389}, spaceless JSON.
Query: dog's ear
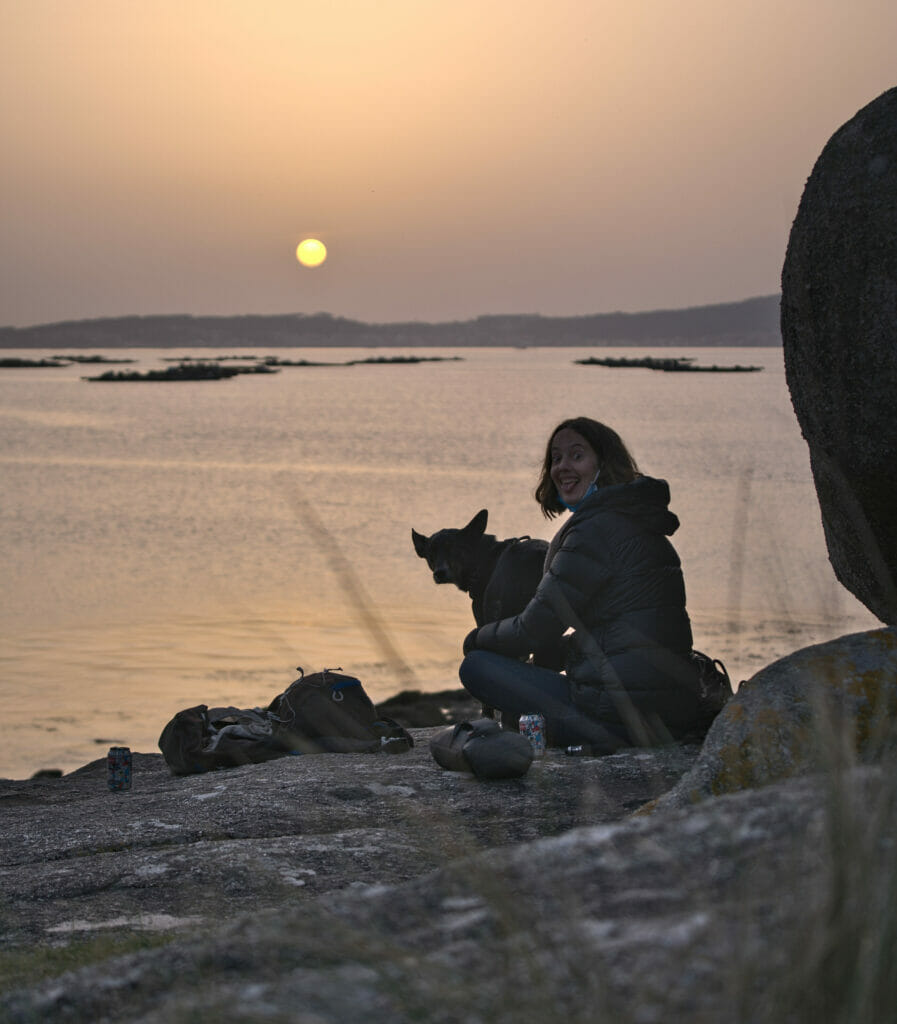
{"x":420,"y":542}
{"x":477,"y":526}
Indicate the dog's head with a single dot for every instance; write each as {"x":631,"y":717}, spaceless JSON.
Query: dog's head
{"x":452,"y":554}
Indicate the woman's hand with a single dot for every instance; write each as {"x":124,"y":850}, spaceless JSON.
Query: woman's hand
{"x":470,"y":641}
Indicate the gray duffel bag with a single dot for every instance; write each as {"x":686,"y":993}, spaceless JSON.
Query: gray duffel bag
{"x":484,"y":748}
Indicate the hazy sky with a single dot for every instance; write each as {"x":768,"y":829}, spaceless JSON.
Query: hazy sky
{"x":457,"y":157}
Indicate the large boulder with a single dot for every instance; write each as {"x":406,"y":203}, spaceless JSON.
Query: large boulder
{"x":839,"y":329}
{"x":821,"y":708}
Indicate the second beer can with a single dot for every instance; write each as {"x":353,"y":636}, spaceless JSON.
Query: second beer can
{"x":533,"y":728}
{"x":118,"y":768}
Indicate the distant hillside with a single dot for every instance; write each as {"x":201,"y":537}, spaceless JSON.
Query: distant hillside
{"x":749,"y":322}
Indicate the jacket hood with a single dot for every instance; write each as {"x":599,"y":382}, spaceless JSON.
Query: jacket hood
{"x":645,"y":498}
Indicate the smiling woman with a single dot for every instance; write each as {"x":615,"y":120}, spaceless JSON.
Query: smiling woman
{"x":311,"y":252}
{"x":607,"y":627}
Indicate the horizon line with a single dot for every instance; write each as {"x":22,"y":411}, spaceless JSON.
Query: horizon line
{"x":388,"y":323}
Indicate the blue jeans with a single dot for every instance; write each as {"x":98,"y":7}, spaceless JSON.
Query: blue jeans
{"x":518,"y":688}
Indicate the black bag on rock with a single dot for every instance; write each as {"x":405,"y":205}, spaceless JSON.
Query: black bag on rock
{"x":320,"y":713}
{"x":714,"y":685}
{"x":329,"y":711}
{"x":201,"y":739}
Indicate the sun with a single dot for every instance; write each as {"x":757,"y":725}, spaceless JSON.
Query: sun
{"x":311,"y":253}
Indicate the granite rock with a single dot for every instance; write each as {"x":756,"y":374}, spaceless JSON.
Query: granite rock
{"x":75,"y":858}
{"x":742,"y":907}
{"x":334,"y":887}
{"x":827,"y":704}
{"x":839,"y":331}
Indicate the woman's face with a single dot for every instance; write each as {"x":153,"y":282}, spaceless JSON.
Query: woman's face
{"x":574,"y":465}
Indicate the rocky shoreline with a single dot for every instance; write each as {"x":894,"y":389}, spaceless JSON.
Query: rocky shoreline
{"x":670,"y":883}
{"x":334,"y":887}
{"x":654,"y":884}
{"x":179,"y":860}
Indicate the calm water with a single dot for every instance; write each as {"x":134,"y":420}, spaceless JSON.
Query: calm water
{"x":166,"y":545}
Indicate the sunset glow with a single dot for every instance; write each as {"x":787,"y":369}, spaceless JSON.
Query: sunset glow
{"x":660,"y":148}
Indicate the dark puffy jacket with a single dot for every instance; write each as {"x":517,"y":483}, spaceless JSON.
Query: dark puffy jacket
{"x":614,"y":578}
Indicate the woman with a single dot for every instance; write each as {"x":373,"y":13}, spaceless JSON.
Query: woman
{"x":610,"y":609}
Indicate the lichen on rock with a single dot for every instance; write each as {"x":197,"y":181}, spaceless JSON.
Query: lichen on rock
{"x":809,"y":711}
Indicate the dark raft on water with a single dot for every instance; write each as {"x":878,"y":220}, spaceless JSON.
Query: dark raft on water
{"x":669,"y":364}
{"x":15,"y":363}
{"x":191,"y":371}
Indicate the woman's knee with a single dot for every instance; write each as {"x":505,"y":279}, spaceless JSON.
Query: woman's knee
{"x":473,"y":671}
{"x":491,"y":678}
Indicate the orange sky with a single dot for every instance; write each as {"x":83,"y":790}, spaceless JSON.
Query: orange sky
{"x":457,"y":157}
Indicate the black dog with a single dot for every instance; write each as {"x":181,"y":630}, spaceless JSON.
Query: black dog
{"x":499,"y":575}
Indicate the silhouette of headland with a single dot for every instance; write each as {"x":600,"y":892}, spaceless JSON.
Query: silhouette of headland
{"x":750,"y":322}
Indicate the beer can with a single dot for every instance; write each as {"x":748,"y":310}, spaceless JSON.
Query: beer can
{"x":533,"y":728}
{"x":118,"y":768}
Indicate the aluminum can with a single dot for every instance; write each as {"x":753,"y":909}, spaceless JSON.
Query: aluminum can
{"x":533,"y":728}
{"x":118,"y":768}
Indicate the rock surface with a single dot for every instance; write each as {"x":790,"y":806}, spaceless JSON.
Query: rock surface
{"x":415,"y":709}
{"x":839,"y":330}
{"x":806,"y":711}
{"x":74,"y":857}
{"x":339,"y":887}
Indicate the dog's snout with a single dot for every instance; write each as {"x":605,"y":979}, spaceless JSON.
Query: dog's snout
{"x":441,"y":575}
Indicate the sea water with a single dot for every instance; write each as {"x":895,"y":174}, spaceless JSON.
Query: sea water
{"x":170,"y":544}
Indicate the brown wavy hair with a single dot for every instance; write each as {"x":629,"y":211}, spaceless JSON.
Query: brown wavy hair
{"x":616,"y":464}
